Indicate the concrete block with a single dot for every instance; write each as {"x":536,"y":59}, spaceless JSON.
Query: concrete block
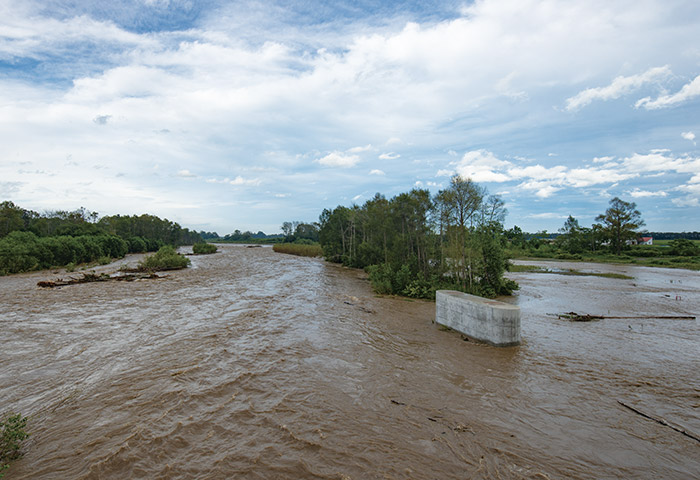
{"x":481,"y":319}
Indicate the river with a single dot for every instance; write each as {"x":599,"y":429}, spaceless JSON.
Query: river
{"x":253,"y":364}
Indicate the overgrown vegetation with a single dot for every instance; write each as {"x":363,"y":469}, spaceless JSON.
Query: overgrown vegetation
{"x":166,"y":258}
{"x":33,"y":241}
{"x":301,"y":249}
{"x":12,"y":434}
{"x":203,"y":248}
{"x":415,"y":244}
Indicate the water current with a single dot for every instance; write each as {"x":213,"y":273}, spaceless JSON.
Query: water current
{"x":253,"y":364}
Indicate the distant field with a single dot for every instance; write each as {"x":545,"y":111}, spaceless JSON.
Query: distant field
{"x":665,"y":243}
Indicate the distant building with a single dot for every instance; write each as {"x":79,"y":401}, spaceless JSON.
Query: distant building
{"x":645,"y":241}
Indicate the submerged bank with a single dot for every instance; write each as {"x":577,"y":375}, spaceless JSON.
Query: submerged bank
{"x":256,"y":364}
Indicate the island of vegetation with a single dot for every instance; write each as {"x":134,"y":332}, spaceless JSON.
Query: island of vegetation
{"x":203,"y":248}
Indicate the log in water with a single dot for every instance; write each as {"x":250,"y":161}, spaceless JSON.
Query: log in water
{"x":252,"y":364}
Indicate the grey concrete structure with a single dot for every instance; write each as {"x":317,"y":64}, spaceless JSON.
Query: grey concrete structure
{"x":481,"y":319}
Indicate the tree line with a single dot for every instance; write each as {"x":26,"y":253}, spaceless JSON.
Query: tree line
{"x":31,"y":241}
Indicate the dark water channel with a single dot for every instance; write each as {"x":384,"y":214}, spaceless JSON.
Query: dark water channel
{"x":253,"y":364}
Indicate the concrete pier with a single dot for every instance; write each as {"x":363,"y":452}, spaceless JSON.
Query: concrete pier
{"x":481,"y":319}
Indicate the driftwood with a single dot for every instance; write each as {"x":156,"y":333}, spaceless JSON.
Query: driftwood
{"x":93,"y":277}
{"x":585,"y":317}
{"x":661,"y":421}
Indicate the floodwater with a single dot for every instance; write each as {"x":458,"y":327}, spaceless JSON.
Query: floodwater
{"x":253,"y":364}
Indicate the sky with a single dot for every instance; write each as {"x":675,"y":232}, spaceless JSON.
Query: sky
{"x":225,"y":115}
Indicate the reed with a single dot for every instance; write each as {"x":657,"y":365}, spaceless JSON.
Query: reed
{"x":298,"y":249}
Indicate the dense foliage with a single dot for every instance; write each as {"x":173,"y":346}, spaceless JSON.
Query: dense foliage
{"x":31,"y":241}
{"x":414,"y":244}
{"x":300,"y":232}
{"x":24,"y":251}
{"x":203,"y":248}
{"x":12,"y":434}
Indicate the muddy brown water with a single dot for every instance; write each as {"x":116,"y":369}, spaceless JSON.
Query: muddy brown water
{"x":253,"y":364}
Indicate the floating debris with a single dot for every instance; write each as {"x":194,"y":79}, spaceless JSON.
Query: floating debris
{"x":585,"y":317}
{"x":93,"y":277}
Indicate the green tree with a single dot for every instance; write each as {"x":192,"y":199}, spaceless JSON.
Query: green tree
{"x":458,"y":208}
{"x":572,"y":238}
{"x":620,"y":223}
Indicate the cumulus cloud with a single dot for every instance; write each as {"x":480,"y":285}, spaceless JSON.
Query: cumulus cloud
{"x":389,"y":156}
{"x":688,"y":92}
{"x":620,"y":86}
{"x":185,"y":174}
{"x":339,"y":159}
{"x":481,"y":166}
{"x":376,"y":172}
{"x":689,"y":136}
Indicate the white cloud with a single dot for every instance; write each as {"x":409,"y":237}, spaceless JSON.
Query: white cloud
{"x":480,"y":166}
{"x":185,"y":174}
{"x":620,"y":86}
{"x":376,"y":172}
{"x":339,"y":159}
{"x":688,"y":92}
{"x":689,"y":136}
{"x":360,"y":149}
{"x":245,"y":181}
{"x":547,"y":215}
{"x":389,"y":156}
{"x":637,"y":193}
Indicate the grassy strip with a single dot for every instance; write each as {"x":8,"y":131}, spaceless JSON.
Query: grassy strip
{"x":298,"y":249}
{"x":536,"y":269}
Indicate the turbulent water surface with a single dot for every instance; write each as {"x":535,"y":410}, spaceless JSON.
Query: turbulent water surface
{"x":253,"y":364}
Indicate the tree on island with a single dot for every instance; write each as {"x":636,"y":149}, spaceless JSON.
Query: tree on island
{"x":620,"y":223}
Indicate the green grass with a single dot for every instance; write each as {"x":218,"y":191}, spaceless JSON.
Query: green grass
{"x":298,"y":249}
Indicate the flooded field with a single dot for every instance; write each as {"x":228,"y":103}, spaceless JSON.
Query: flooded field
{"x":253,"y":364}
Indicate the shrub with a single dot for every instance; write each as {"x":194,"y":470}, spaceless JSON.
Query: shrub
{"x":164,"y":259}
{"x":137,"y":245}
{"x":12,"y":434}
{"x":203,"y":248}
{"x":684,"y":247}
{"x":381,"y":277}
